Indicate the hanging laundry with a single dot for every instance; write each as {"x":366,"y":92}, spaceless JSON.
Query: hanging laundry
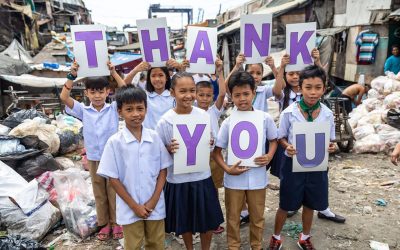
{"x":366,"y":42}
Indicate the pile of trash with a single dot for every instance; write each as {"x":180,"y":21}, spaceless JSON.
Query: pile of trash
{"x":44,"y":181}
{"x":376,"y":122}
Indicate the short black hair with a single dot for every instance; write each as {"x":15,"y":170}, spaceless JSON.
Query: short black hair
{"x":241,"y":78}
{"x":97,"y":83}
{"x":149,"y":85}
{"x":259,"y":64}
{"x":204,"y":84}
{"x":130,"y":94}
{"x":312,"y":71}
{"x":395,"y":46}
{"x":180,"y":75}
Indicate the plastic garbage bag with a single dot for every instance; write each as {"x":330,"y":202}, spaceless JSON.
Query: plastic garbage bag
{"x":369,"y":144}
{"x":76,"y":202}
{"x":4,"y":130}
{"x":392,"y":101}
{"x":37,"y":165}
{"x":10,"y":145}
{"x":66,"y":121}
{"x":393,"y":118}
{"x":16,"y":242}
{"x":45,"y":132}
{"x":373,"y":117}
{"x":17,"y":118}
{"x":373,"y":93}
{"x":372,"y":104}
{"x":379,"y":83}
{"x":363,"y":131}
{"x":69,"y":141}
{"x":40,"y":220}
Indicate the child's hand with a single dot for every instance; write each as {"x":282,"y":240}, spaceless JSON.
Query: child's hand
{"x":172,"y":63}
{"x":332,"y":147}
{"x":143,"y":66}
{"x":315,"y":54}
{"x":291,"y":150}
{"x":262,"y":160}
{"x":240,"y":59}
{"x":173,"y":147}
{"x":150,"y":205}
{"x":236,"y":169}
{"x":285,"y":60}
{"x":74,"y":69}
{"x":218,"y":65}
{"x":141,"y":211}
{"x":185,"y":64}
{"x":270,"y":61}
{"x":111,"y":67}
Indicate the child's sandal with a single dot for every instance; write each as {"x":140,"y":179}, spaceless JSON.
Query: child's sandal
{"x":117,"y":232}
{"x":104,"y":233}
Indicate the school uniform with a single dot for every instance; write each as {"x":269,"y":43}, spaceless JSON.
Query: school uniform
{"x":137,"y":164}
{"x":217,"y":173}
{"x":157,"y":105}
{"x":191,"y":199}
{"x":302,"y":188}
{"x":249,"y":185}
{"x":98,"y":127}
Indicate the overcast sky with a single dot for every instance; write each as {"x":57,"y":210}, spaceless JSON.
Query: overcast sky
{"x":120,"y":12}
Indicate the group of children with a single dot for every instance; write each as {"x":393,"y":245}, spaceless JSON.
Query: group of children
{"x":136,"y":163}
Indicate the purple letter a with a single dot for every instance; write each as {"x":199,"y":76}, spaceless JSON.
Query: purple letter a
{"x":319,"y":150}
{"x":202,"y":38}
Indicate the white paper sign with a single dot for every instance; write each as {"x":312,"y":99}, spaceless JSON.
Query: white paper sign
{"x":255,"y":37}
{"x":154,"y":41}
{"x":192,"y":132}
{"x":300,"y":41}
{"x":311,"y":141}
{"x":90,"y":49}
{"x":201,"y":49}
{"x":245,"y":137}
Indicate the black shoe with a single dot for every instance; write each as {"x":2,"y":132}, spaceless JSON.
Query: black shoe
{"x":291,"y":213}
{"x":244,"y":219}
{"x":337,"y":218}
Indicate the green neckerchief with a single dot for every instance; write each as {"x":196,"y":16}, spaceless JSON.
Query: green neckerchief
{"x":309,"y":110}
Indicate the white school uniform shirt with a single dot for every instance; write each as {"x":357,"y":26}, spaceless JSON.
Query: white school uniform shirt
{"x":293,"y":97}
{"x":255,"y":177}
{"x":215,"y":114}
{"x":98,"y":126}
{"x":165,"y":131}
{"x":137,"y":165}
{"x":293,"y":114}
{"x":157,"y":105}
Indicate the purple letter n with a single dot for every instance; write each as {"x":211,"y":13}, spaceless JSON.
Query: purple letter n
{"x":89,"y":37}
{"x":300,"y":46}
{"x":235,"y":140}
{"x":160,"y":44}
{"x":319,"y":150}
{"x":251,"y":36}
{"x":191,"y":142}
{"x":202,"y":38}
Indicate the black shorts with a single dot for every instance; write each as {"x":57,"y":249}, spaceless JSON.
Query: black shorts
{"x":302,"y":188}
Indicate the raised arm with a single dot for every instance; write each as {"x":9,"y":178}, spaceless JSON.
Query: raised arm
{"x":68,"y":85}
{"x":270,"y":62}
{"x":280,"y":83}
{"x":316,"y":56}
{"x":240,"y":59}
{"x":116,"y":76}
{"x":221,"y":84}
{"x":143,"y":66}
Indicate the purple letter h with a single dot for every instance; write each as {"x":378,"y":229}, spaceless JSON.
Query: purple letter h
{"x":149,"y":45}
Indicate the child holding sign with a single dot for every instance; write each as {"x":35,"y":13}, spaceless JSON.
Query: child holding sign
{"x":159,"y":99}
{"x":191,"y":199}
{"x":307,"y":189}
{"x":243,"y":183}
{"x":135,"y":162}
{"x":204,"y":98}
{"x":100,"y":121}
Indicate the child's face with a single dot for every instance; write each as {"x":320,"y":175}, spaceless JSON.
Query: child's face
{"x":292,"y":78}
{"x":242,"y":97}
{"x":312,"y":90}
{"x":97,"y":96}
{"x":184,"y":92}
{"x":204,"y":97}
{"x":256,"y":72}
{"x":158,"y":79}
{"x":133,"y":114}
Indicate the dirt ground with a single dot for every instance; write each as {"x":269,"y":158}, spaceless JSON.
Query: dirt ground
{"x":356,"y":182}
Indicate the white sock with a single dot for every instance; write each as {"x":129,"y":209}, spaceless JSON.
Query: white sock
{"x":304,"y":236}
{"x":327,"y":212}
{"x":277,"y":237}
{"x":244,"y":213}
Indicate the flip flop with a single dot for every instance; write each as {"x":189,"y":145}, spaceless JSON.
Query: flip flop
{"x":219,"y":230}
{"x":117,"y":232}
{"x":104,"y":233}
